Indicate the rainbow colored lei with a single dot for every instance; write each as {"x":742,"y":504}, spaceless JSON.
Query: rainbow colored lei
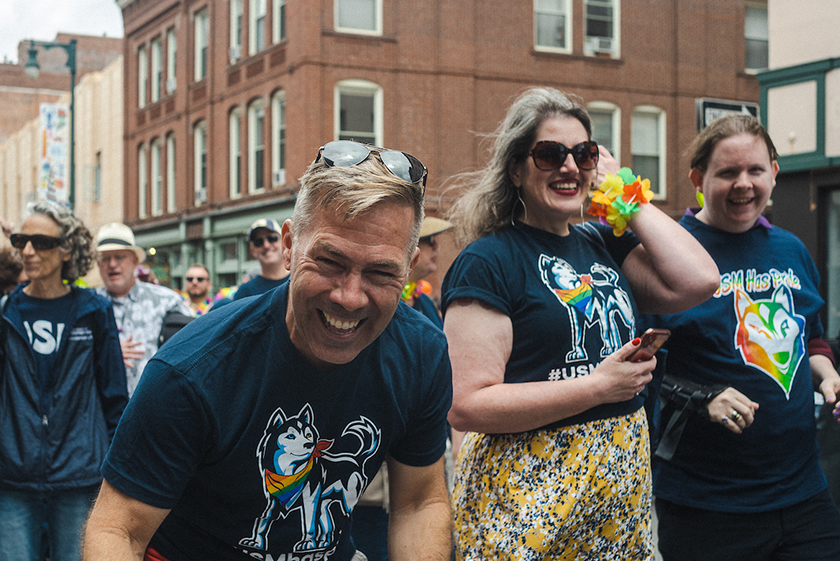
{"x":618,"y":198}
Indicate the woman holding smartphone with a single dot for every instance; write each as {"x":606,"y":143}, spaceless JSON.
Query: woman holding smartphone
{"x":743,"y":481}
{"x":62,"y":390}
{"x":540,"y":315}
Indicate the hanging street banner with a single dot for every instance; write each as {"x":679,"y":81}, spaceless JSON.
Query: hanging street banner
{"x":54,"y":164}
{"x":709,"y":109}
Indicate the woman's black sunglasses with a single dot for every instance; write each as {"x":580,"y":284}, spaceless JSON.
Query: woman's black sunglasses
{"x":549,"y":155}
{"x":346,"y":153}
{"x":39,"y":241}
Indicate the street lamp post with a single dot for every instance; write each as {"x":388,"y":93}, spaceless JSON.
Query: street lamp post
{"x":32,"y":69}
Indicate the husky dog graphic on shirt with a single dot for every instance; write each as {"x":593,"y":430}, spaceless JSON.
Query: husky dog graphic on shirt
{"x":770,"y":335}
{"x":589,"y":299}
{"x":316,"y":479}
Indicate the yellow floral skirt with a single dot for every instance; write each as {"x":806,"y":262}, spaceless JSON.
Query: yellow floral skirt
{"x":572,"y":493}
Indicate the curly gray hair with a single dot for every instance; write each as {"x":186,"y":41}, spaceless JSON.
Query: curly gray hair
{"x":76,"y":239}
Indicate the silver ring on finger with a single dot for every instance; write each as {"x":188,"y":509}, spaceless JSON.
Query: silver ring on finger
{"x":735,"y":416}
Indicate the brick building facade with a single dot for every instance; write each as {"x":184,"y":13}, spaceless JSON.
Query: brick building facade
{"x":227,"y":101}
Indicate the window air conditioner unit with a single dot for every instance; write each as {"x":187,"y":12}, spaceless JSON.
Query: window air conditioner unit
{"x":235,"y":52}
{"x":170,"y":85}
{"x":201,"y":195}
{"x":278,"y":177}
{"x":599,"y":44}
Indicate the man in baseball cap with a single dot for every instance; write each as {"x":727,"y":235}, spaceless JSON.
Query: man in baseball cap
{"x":139,"y":307}
{"x":264,"y":245}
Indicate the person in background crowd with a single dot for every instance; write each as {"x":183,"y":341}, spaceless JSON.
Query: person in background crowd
{"x":369,"y":523}
{"x":197,"y":285}
{"x":62,"y":390}
{"x":743,"y":480}
{"x":139,"y":307}
{"x":540,"y":315}
{"x":270,"y":417}
{"x":11,"y":270}
{"x":264,"y":245}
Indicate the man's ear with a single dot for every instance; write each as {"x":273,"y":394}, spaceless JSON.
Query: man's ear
{"x":286,"y":239}
{"x":411,"y":265}
{"x":696,"y":177}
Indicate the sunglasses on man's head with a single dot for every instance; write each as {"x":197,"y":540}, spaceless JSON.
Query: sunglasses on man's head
{"x":39,"y":241}
{"x":549,"y":155}
{"x":258,"y":242}
{"x":196,"y":279}
{"x":346,"y":153}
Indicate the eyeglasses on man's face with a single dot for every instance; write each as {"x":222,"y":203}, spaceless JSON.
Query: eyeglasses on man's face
{"x":106,"y":258}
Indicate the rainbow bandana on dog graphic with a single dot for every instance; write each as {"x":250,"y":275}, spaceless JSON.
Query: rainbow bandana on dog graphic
{"x":286,"y":488}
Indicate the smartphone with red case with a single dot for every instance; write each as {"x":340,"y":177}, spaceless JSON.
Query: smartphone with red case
{"x":652,"y":340}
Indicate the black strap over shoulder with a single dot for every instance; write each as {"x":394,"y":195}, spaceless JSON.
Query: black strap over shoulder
{"x":172,"y":323}
{"x":681,"y":397}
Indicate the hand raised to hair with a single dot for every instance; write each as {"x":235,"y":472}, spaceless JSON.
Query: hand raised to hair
{"x":606,"y":164}
{"x":8,"y":227}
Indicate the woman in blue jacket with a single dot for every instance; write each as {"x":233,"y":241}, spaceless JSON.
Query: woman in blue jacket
{"x":62,"y":389}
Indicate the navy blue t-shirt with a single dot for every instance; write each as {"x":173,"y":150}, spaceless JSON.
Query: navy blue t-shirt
{"x":751,"y":335}
{"x":44,"y":321}
{"x":257,"y":285}
{"x":566,"y":297}
{"x":256,"y":452}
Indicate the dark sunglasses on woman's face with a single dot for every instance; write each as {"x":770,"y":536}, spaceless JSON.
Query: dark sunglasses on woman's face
{"x":39,"y":241}
{"x":271,"y":238}
{"x":549,"y":155}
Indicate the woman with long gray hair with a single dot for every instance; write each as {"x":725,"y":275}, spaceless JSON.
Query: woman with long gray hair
{"x":62,"y":389}
{"x":540,"y":315}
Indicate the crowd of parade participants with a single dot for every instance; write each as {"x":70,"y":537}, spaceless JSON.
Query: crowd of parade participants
{"x":332,"y":407}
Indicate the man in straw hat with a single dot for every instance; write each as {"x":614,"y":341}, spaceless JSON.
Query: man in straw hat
{"x":139,"y":307}
{"x":254,"y":431}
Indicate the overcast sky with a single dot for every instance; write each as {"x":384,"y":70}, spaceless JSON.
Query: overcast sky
{"x":42,"y":19}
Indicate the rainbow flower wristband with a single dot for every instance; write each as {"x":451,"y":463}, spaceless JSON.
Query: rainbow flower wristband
{"x":618,"y":198}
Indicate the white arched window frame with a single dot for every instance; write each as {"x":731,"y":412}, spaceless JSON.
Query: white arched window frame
{"x":278,"y":138}
{"x":141,"y":181}
{"x":256,"y":146}
{"x":157,"y":179}
{"x":200,"y":161}
{"x":358,"y":16}
{"x":235,"y":142}
{"x":606,"y":125}
{"x":170,"y":172}
{"x":649,"y":147}
{"x":358,"y":107}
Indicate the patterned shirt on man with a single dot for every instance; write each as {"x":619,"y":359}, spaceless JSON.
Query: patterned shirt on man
{"x":140,"y":313}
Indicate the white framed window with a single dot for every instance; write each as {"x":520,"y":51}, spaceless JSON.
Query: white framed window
{"x":141,"y":181}
{"x":256,"y":147}
{"x":756,"y":35}
{"x":256,"y":26}
{"x":358,"y":16}
{"x":200,"y":161}
{"x":602,"y":27}
{"x":606,"y":125}
{"x":142,"y":76}
{"x":235,"y":140}
{"x":171,"y":52}
{"x":157,"y":179}
{"x":278,"y":28}
{"x":648,"y":147}
{"x":553,"y":25}
{"x":278,"y":138}
{"x":235,"y":30}
{"x":170,"y":172}
{"x":157,"y":69}
{"x":358,"y":111}
{"x":201,"y":45}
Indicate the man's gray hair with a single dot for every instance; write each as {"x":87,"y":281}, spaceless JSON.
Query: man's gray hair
{"x":354,"y":190}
